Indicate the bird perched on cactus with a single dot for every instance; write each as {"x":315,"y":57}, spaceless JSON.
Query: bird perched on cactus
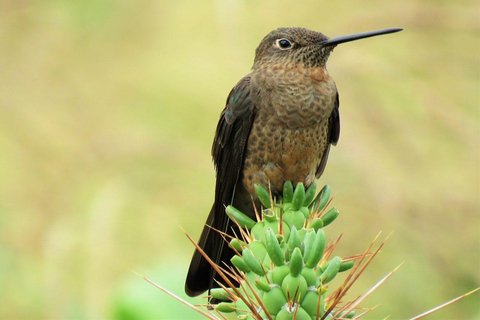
{"x":278,"y":125}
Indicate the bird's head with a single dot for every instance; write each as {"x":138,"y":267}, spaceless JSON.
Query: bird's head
{"x":300,"y":46}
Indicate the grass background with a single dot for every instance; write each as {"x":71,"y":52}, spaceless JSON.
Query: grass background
{"x":107,"y":113}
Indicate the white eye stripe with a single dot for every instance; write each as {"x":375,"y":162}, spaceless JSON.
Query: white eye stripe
{"x":284,"y":44}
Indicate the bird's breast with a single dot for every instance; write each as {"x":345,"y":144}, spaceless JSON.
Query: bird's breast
{"x":290,"y":131}
{"x":296,"y":96}
{"x":277,"y":152}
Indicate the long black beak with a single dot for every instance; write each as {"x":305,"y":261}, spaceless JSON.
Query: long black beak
{"x":357,"y":36}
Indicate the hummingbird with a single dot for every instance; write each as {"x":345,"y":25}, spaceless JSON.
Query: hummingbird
{"x":278,"y":125}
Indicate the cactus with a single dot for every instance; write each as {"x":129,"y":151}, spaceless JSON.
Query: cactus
{"x":283,"y":265}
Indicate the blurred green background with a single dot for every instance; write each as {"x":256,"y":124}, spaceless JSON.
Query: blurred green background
{"x":107,"y":114}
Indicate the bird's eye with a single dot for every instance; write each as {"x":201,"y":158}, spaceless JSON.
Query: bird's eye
{"x":284,"y":44}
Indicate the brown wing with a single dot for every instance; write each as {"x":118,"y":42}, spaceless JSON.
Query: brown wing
{"x":333,"y":135}
{"x":231,"y":137}
{"x":228,"y":153}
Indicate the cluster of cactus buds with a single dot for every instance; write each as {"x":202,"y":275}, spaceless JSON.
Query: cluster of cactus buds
{"x":282,"y":261}
{"x":283,"y":264}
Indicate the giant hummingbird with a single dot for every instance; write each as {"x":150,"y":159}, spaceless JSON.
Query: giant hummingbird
{"x":278,"y":125}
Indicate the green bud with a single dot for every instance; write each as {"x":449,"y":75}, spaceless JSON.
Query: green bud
{"x":279,"y":273}
{"x":226,"y":307}
{"x":237,"y":244}
{"x":290,"y":286}
{"x":262,"y":284}
{"x":296,"y":262}
{"x":274,"y":300}
{"x":263,"y":195}
{"x":347,"y":265}
{"x":310,"y":304}
{"x":331,"y":271}
{"x":239,"y":217}
{"x":315,"y":254}
{"x":287,"y":192}
{"x":315,"y":224}
{"x":308,"y":241}
{"x":328,"y":217}
{"x":310,"y":194}
{"x":238,"y":262}
{"x":252,"y":262}
{"x":273,"y":248}
{"x":221,"y":294}
{"x":294,"y":240}
{"x":298,"y":196}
